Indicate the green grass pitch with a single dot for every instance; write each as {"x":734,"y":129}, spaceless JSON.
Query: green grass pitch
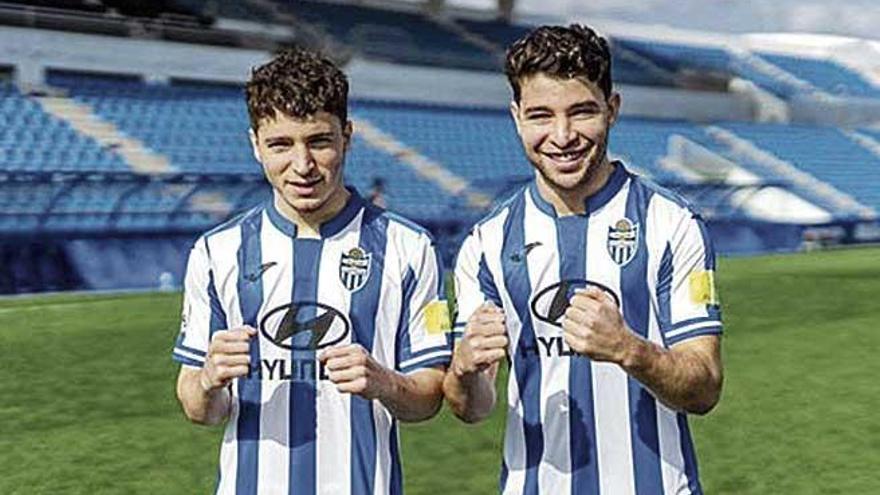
{"x":87,"y":393}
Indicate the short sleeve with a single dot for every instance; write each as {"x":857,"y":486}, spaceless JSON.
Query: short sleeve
{"x":202,"y":312}
{"x":422,"y":334}
{"x":473,"y":281}
{"x":687,"y":299}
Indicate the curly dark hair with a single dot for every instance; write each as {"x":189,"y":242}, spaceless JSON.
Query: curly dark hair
{"x":563,"y":52}
{"x":298,"y":83}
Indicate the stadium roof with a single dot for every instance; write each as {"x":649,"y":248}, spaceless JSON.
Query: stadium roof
{"x":858,"y":18}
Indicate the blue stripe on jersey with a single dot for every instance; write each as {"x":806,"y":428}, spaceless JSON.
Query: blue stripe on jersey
{"x":664,"y":293}
{"x":395,"y":484}
{"x":714,"y":310}
{"x":689,"y":456}
{"x":709,"y":262}
{"x":364,"y":306}
{"x":218,"y":315}
{"x":250,"y":296}
{"x":634,"y":291}
{"x":571,"y":240}
{"x":526,"y":365}
{"x":402,"y":346}
{"x":487,"y":285}
{"x":303,"y":414}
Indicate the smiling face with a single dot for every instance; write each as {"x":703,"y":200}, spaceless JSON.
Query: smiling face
{"x":563,"y":124}
{"x":303,"y":161}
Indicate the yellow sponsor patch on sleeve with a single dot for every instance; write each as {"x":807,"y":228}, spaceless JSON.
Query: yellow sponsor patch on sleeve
{"x":702,"y":287}
{"x":437,"y":317}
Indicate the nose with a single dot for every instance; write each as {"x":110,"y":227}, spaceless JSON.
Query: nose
{"x":302,"y":161}
{"x":562,"y":135}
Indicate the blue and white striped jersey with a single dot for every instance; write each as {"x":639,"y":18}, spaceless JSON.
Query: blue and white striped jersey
{"x":575,"y":426}
{"x":373,"y":279}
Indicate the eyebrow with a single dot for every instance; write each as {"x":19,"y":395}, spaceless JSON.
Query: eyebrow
{"x":584,"y":105}
{"x":276,"y":140}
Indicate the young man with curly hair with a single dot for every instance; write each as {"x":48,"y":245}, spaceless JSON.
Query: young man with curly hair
{"x":313,"y":323}
{"x":596,"y":286}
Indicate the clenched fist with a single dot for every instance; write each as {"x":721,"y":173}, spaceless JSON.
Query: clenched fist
{"x":484,"y":342}
{"x":594,"y":327}
{"x":354,"y":371}
{"x":228,"y":357}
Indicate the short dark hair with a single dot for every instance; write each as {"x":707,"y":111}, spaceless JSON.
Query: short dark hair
{"x":562,"y":52}
{"x":298,"y":83}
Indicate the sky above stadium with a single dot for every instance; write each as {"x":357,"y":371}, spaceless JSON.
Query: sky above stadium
{"x":846,"y":17}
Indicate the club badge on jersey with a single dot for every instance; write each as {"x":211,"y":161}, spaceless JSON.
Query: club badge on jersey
{"x":354,"y":268}
{"x":623,"y":241}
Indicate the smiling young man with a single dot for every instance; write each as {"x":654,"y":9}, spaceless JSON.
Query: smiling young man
{"x":312,"y":323}
{"x":597,"y":286}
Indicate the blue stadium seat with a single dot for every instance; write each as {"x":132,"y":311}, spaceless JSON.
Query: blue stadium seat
{"x":825,"y":75}
{"x":824,"y":152}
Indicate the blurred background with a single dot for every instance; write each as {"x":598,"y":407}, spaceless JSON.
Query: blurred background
{"x":123,"y":135}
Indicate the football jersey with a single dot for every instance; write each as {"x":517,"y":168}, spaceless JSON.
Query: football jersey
{"x":373,"y":279}
{"x":575,"y":426}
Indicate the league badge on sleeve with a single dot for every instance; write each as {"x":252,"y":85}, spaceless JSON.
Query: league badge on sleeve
{"x":354,"y":268}
{"x":623,"y":241}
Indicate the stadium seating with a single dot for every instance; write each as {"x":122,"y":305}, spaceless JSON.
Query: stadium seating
{"x":680,"y":56}
{"x":825,"y":75}
{"x":203,"y":130}
{"x":34,"y":141}
{"x":824,"y":152}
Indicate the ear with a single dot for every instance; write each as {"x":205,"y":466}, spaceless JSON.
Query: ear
{"x":613,"y":108}
{"x":252,"y":135}
{"x":347,"y":133}
{"x":514,"y":112}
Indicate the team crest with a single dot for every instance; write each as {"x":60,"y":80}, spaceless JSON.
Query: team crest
{"x":354,"y":268}
{"x":623,"y":241}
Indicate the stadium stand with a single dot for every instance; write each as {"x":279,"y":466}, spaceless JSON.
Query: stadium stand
{"x":72,"y":197}
{"x":203,"y":130}
{"x":825,"y":75}
{"x":825,"y":153}
{"x":34,"y":141}
{"x":404,"y":37}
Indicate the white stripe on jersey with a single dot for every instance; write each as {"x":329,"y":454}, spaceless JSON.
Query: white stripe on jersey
{"x":274,"y":465}
{"x":222,"y":248}
{"x":333,"y":444}
{"x":553,"y":472}
{"x":610,"y":397}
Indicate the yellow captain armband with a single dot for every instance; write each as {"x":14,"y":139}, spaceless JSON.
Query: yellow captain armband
{"x":701,"y":286}
{"x":437,"y":317}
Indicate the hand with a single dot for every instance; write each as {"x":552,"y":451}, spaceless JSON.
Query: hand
{"x":228,"y":358}
{"x":594,"y":327}
{"x":354,"y":371}
{"x":484,"y":342}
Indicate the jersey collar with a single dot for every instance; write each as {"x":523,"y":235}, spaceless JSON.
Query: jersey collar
{"x":593,"y":203}
{"x":329,"y":228}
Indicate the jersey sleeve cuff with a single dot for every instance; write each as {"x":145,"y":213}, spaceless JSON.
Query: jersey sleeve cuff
{"x":689,"y":329}
{"x":428,"y":358}
{"x":188,"y":356}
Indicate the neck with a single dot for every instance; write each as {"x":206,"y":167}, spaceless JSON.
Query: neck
{"x":573,"y":201}
{"x":308,"y":223}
